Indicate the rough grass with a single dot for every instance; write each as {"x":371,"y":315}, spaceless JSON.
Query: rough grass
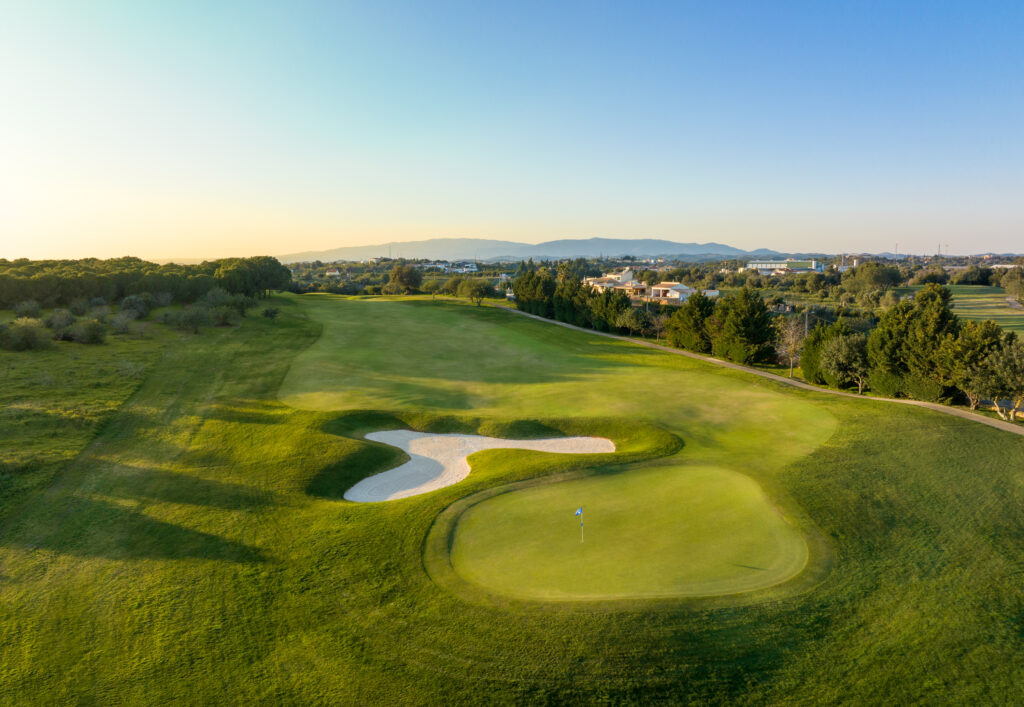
{"x":193,"y":551}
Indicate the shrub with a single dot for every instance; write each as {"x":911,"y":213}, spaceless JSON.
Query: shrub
{"x":271,"y":312}
{"x":60,"y":319}
{"x":191,"y":318}
{"x":217,"y":297}
{"x":122,"y":322}
{"x":28,"y":309}
{"x":925,"y":389}
{"x":90,"y":331}
{"x":163,"y":299}
{"x":224,"y":316}
{"x":97,"y":302}
{"x":25,"y":334}
{"x":885,"y":383}
{"x":79,"y":307}
{"x":137,"y":304}
{"x":373,"y":289}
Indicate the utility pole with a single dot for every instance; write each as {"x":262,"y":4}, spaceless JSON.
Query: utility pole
{"x":806,"y":313}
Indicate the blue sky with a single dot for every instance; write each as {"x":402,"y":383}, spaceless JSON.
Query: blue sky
{"x":209,"y":129}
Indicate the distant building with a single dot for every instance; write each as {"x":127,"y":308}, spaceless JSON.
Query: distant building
{"x":785,"y":267}
{"x":610,"y":281}
{"x":333,"y":273}
{"x":676,"y":292}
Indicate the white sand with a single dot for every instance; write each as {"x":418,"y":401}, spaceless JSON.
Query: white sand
{"x":437,"y":461}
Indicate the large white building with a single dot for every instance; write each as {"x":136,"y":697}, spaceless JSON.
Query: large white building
{"x":784,"y":267}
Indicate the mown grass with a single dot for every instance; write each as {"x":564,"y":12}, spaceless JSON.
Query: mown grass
{"x":195,"y":550}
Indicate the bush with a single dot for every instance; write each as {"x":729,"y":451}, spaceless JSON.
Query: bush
{"x":224,"y":316}
{"x":122,"y":323}
{"x":29,"y":309}
{"x":79,"y":307}
{"x":163,"y":299}
{"x":924,"y":389}
{"x":217,"y":297}
{"x":372,"y":290}
{"x":25,"y":334}
{"x":60,"y":319}
{"x":191,"y":318}
{"x":97,"y":302}
{"x":885,"y":383}
{"x":90,"y":331}
{"x":271,"y":312}
{"x":137,"y":304}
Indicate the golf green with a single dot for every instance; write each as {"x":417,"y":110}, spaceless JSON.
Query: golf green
{"x":664,"y":531}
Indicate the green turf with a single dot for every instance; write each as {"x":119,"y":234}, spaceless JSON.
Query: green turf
{"x":656,"y":532}
{"x":195,"y":550}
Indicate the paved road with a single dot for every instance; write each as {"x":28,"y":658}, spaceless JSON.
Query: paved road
{"x":945,"y":409}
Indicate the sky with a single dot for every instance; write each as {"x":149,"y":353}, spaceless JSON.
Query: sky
{"x":212,"y":129}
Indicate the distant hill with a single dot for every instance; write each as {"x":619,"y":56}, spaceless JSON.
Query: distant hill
{"x":485,"y":249}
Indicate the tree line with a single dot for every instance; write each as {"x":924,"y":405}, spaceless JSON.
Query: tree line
{"x":55,"y":283}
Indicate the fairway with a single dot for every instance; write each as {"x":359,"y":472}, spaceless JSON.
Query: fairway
{"x":669,"y":532}
{"x":661,"y":532}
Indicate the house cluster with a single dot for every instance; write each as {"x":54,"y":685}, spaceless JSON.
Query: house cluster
{"x":666,"y":292}
{"x":448,"y":267}
{"x":784,"y":267}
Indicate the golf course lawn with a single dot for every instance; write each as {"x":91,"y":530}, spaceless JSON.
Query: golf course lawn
{"x":181,"y":535}
{"x":659,"y":532}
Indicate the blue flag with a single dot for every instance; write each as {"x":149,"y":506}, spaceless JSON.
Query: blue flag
{"x":579,"y":511}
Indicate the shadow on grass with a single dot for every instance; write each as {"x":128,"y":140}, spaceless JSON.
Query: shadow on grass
{"x":89,"y":528}
{"x":140,"y":483}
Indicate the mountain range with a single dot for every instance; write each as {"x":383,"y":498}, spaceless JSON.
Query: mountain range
{"x":485,"y":249}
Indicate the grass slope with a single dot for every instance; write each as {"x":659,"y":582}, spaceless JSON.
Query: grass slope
{"x":194,"y":550}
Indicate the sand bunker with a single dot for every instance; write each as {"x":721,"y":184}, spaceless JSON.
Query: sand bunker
{"x":437,"y":461}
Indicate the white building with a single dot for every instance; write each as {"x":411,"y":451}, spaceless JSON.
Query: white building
{"x":785,"y":267}
{"x":676,"y":292}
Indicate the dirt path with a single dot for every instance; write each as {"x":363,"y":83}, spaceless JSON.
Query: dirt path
{"x":998,"y":424}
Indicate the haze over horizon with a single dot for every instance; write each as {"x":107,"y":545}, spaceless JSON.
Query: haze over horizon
{"x":208,"y":130}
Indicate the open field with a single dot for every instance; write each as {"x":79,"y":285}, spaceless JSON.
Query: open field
{"x":196,"y":548}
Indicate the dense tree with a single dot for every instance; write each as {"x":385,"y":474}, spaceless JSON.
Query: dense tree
{"x":687,"y":326}
{"x":962,"y":357}
{"x":742,"y":328}
{"x":844,"y":360}
{"x":1002,"y":378}
{"x":475,"y":290}
{"x":406,"y":278}
{"x":633,"y":320}
{"x":814,"y":344}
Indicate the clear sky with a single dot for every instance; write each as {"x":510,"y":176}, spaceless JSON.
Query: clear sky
{"x":207,"y":129}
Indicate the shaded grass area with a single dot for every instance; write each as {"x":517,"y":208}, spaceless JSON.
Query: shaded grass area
{"x":53,"y":402}
{"x":227,"y":579}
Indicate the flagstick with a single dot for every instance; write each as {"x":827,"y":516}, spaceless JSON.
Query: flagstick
{"x":581,"y":529}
